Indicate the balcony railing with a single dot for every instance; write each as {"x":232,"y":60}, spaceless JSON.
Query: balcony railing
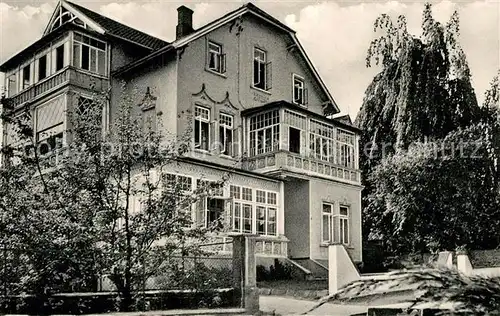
{"x":68,"y":75}
{"x":283,"y":160}
{"x":266,"y":246}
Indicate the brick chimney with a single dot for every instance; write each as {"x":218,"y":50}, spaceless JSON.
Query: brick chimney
{"x":184,"y":21}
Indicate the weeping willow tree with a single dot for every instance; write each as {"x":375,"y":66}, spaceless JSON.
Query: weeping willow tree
{"x":422,"y":92}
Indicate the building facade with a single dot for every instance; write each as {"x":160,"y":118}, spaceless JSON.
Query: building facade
{"x":246,"y":93}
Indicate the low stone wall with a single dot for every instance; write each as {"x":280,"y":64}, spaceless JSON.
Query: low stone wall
{"x":312,"y":295}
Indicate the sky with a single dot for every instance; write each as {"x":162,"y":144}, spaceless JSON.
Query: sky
{"x":335,"y":34}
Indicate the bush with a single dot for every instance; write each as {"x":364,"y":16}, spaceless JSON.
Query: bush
{"x":276,"y":272}
{"x":86,"y":303}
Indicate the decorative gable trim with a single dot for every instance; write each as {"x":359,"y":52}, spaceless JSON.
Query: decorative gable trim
{"x":203,"y":95}
{"x":148,"y":102}
{"x":62,"y":4}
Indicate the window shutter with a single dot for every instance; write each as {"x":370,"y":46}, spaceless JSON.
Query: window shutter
{"x":200,"y":211}
{"x":228,"y":220}
{"x":236,"y":142}
{"x":269,"y":76}
{"x":306,"y":96}
{"x":212,"y":141}
{"x":223,"y":63}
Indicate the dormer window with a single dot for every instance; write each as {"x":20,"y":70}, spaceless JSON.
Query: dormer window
{"x":299,"y":90}
{"x":216,"y":59}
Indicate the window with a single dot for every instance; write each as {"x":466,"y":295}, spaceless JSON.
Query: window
{"x":247,"y":218}
{"x":344,"y":224}
{"x":260,"y":196}
{"x":335,"y":226}
{"x":235,"y":192}
{"x":327,"y":225}
{"x":345,"y":148}
{"x":247,"y":194}
{"x":216,"y":59}
{"x":179,"y":182}
{"x":237,"y":217}
{"x":271,"y":221}
{"x":261,"y":70}
{"x":201,"y":128}
{"x":266,"y":215}
{"x":60,"y":57}
{"x":26,"y":76}
{"x":271,"y":198}
{"x":211,"y":187}
{"x":321,"y":141}
{"x":12,"y":84}
{"x":89,"y":54}
{"x":264,"y":133}
{"x":50,"y":140}
{"x":226,"y":134}
{"x":42,"y":67}
{"x":215,"y":212}
{"x":299,"y":90}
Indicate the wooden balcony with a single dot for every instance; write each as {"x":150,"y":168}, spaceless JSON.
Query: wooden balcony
{"x":66,"y":76}
{"x":286,"y":161}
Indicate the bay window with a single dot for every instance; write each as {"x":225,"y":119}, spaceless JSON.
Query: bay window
{"x":264,"y":133}
{"x":345,"y":148}
{"x":321,"y":141}
{"x":201,"y":128}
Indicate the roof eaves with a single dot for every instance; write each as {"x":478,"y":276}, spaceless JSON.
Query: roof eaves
{"x":316,"y":74}
{"x":138,"y":62}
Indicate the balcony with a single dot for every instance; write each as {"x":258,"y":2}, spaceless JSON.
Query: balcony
{"x":265,"y":246}
{"x":287,"y":161}
{"x":67,"y":76}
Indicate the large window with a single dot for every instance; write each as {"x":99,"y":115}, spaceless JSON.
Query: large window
{"x":89,"y":54}
{"x":345,"y":148}
{"x":335,"y":226}
{"x":321,"y":141}
{"x":216,"y":59}
{"x":299,"y":90}
{"x":226,"y":134}
{"x":266,"y":213}
{"x":261,"y":70}
{"x":264,"y":133}
{"x":201,"y":128}
{"x":256,"y":216}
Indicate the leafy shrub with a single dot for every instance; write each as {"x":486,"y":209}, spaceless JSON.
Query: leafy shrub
{"x":276,"y":272}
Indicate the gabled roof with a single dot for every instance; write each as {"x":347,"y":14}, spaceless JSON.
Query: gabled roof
{"x":119,"y":30}
{"x":249,"y":8}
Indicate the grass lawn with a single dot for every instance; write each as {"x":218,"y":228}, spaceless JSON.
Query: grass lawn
{"x":294,"y":285}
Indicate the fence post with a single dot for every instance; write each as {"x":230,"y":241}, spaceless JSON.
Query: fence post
{"x":244,"y":273}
